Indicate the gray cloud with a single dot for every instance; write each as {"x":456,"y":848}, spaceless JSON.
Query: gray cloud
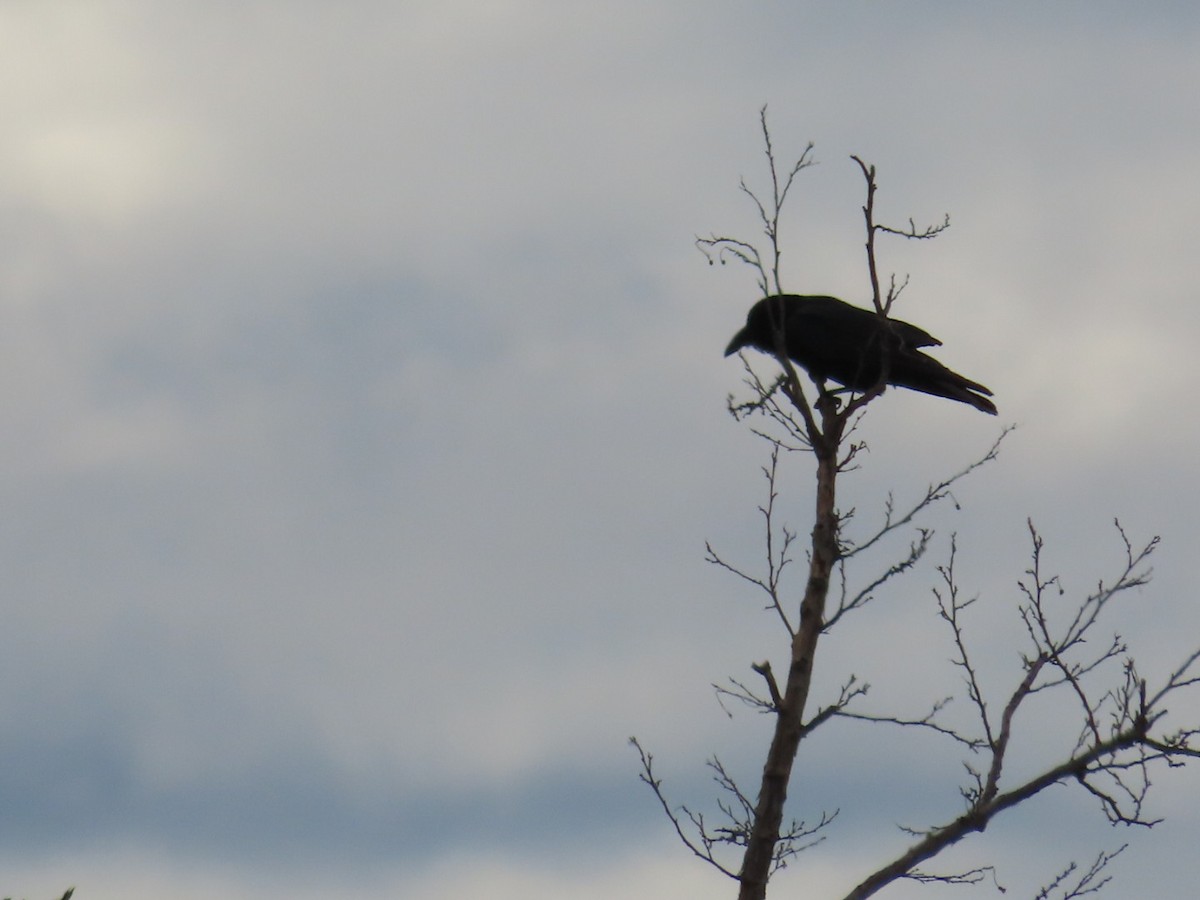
{"x":366,"y":422}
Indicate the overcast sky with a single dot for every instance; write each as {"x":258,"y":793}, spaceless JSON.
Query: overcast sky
{"x":366,"y":421}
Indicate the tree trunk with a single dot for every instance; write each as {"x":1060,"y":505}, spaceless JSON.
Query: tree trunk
{"x":789,"y":718}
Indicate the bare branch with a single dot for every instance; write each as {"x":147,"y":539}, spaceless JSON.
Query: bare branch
{"x":927,"y":721}
{"x":1178,"y":679}
{"x":779,"y":192}
{"x":701,"y":847}
{"x":778,"y":545}
{"x":850,"y":691}
{"x":883,"y":305}
{"x":980,"y":814}
{"x":915,"y":551}
{"x":892,"y":521}
{"x":972,"y":876}
{"x":912,"y":232}
{"x":933,"y":494}
{"x":764,"y":669}
{"x":742,"y":694}
{"x":720,"y":249}
{"x":950,"y":608}
{"x":1110,"y":762}
{"x":1090,"y":881}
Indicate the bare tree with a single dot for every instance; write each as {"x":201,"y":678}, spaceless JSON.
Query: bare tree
{"x":1121,"y":734}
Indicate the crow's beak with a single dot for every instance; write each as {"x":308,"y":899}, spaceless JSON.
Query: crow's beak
{"x":740,"y":340}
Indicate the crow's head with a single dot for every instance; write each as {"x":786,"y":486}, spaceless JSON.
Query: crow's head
{"x":759,"y":330}
{"x":740,"y":340}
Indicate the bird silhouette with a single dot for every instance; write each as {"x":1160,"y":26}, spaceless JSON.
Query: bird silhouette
{"x":857,"y":348}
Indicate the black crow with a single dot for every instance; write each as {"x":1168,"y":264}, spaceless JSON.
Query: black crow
{"x":854,"y":347}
